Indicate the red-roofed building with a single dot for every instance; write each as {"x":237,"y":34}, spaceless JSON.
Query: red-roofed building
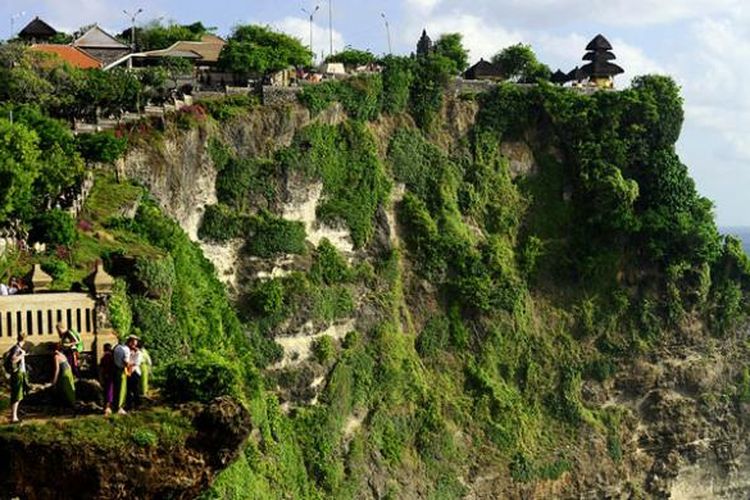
{"x":67,"y":54}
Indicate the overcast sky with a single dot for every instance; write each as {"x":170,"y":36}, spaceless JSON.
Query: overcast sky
{"x":703,"y":44}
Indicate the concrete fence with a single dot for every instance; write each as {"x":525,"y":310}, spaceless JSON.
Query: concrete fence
{"x":38,"y":315}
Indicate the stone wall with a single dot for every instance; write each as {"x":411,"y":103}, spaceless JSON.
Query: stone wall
{"x":280,"y":95}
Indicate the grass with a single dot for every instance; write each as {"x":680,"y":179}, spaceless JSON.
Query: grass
{"x":162,"y":428}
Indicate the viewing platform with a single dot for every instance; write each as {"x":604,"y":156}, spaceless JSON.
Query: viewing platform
{"x":37,"y":314}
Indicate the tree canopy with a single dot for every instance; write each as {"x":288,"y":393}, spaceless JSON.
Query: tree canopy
{"x":520,"y":64}
{"x":154,"y":35}
{"x":254,"y":49}
{"x":352,"y":58}
{"x":450,"y":46}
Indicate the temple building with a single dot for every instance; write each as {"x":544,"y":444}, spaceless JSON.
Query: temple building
{"x":484,"y":70}
{"x":37,"y":31}
{"x":101,"y":45}
{"x":600,"y":71}
{"x":424,"y":45}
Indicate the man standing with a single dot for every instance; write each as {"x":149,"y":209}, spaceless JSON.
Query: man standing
{"x":123,"y":368}
{"x":17,"y":375}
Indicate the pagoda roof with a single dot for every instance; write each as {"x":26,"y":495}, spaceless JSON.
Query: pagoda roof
{"x":97,"y":38}
{"x":599,"y":55}
{"x":559,"y":77}
{"x":576,"y":75}
{"x":484,"y":69}
{"x":37,"y":29}
{"x":599,"y":43}
{"x":599,"y":69}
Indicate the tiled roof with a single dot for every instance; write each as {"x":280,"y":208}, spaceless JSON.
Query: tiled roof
{"x":71,"y":55}
{"x":208,"y":49}
{"x":97,"y":38}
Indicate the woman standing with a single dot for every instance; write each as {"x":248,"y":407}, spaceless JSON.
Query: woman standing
{"x":63,"y":378}
{"x":17,"y":358}
{"x":146,"y":365}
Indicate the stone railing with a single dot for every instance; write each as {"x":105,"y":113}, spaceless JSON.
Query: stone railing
{"x":38,"y":314}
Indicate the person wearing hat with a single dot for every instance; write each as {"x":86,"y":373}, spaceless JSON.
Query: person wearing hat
{"x":123,"y":368}
{"x":72,"y":346}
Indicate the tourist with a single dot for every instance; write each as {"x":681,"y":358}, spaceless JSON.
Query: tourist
{"x":12,"y":288}
{"x":107,"y":377}
{"x":63,"y":379}
{"x":146,"y":365}
{"x":134,"y":381}
{"x":121,"y":357}
{"x":72,"y":346}
{"x":17,"y":357}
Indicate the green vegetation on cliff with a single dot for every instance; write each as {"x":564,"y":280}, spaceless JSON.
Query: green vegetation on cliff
{"x":478,"y":317}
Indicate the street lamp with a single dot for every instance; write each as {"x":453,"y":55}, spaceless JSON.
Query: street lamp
{"x":311,"y":14}
{"x":13,"y":18}
{"x":330,"y":24}
{"x":132,"y":26}
{"x":387,"y":31}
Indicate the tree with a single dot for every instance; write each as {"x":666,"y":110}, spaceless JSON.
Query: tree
{"x":19,"y":166}
{"x":176,"y":67}
{"x":431,"y":75}
{"x":450,"y":46}
{"x":256,"y":49}
{"x":351,"y":58}
{"x":101,"y":147}
{"x":56,"y":227}
{"x":520,"y":64}
{"x":398,"y":74}
{"x":155,"y":36}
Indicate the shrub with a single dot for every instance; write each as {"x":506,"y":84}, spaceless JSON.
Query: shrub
{"x":397,"y":78}
{"x":202,"y":377}
{"x":55,"y":227}
{"x":228,"y":107}
{"x":324,"y":349}
{"x":55,"y":268}
{"x":329,"y":266}
{"x":220,"y":223}
{"x":159,"y":331}
{"x":434,"y":338}
{"x":145,"y":438}
{"x":157,"y":276}
{"x":270,"y":236}
{"x":120,"y":312}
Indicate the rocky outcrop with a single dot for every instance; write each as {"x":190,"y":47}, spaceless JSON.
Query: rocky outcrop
{"x":39,"y":469}
{"x":179,"y":172}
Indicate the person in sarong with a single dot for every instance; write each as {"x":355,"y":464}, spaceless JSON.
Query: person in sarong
{"x":63,"y":379}
{"x":18,"y":383}
{"x":107,"y":378}
{"x":72,"y":346}
{"x":123,"y":369}
{"x":146,"y":365}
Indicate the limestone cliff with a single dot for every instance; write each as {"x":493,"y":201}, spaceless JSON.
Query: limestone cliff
{"x":674,"y":427}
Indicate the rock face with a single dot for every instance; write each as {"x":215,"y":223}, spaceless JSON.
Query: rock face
{"x":33,"y":470}
{"x":681,"y":435}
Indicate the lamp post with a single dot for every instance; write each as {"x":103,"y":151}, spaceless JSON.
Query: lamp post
{"x":132,"y":26}
{"x":387,"y":32}
{"x":330,"y":25}
{"x":17,"y":15}
{"x":311,"y":15}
